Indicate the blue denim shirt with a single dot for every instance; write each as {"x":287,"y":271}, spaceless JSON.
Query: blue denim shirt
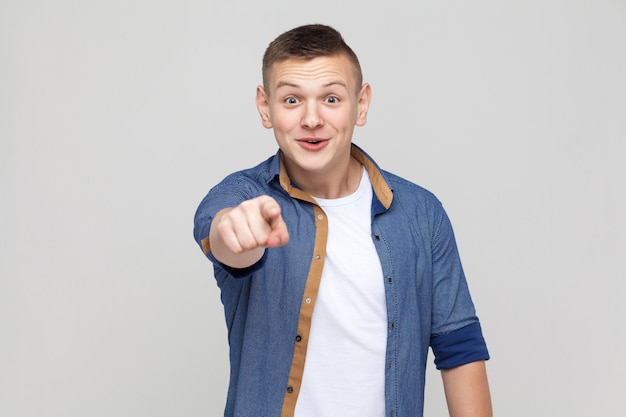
{"x":268,"y":306}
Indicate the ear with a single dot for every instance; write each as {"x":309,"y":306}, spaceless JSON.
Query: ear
{"x":263,"y":106}
{"x":363,"y":105}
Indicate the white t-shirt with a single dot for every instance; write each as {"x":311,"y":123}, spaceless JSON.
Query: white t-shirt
{"x":344,"y":373}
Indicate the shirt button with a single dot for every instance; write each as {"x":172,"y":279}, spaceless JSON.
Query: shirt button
{"x":308,"y":300}
{"x":318,"y":257}
{"x":289,"y":390}
{"x":320,"y":216}
{"x":298,"y":338}
{"x":392,"y":325}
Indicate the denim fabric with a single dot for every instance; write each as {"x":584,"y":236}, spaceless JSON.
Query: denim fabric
{"x":428,"y":301}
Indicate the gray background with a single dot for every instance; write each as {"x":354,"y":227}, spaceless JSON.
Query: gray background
{"x":116,"y":118}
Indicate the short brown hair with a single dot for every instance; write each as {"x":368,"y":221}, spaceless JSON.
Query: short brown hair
{"x":308,"y":42}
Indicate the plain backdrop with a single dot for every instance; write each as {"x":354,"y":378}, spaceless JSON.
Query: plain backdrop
{"x":117,"y":117}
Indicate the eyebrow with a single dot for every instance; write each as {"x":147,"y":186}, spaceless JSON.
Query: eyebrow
{"x":330,"y":84}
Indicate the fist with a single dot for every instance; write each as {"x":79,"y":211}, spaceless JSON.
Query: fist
{"x":254,"y":224}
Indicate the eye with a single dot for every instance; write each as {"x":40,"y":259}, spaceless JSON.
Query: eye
{"x":332,"y":99}
{"x":291,"y":100}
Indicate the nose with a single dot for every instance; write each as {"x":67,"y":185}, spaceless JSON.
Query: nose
{"x":311,"y":119}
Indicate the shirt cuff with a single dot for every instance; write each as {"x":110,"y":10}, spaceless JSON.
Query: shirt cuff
{"x":238,"y":272}
{"x":459,"y":347}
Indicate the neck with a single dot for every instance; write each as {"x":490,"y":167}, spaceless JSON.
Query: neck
{"x":330,"y":186}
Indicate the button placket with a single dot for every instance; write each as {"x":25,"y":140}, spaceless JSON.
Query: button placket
{"x":310,"y":291}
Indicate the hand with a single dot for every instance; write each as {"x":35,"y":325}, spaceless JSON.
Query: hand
{"x":239,"y":235}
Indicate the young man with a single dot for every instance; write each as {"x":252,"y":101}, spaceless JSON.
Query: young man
{"x":336,"y":276}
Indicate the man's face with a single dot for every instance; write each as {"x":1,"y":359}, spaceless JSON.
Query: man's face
{"x":313,"y":107}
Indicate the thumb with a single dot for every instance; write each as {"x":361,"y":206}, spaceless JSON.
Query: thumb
{"x":270,"y":211}
{"x":279,"y":235}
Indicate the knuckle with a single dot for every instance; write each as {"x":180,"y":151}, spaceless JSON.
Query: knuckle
{"x":248,"y":243}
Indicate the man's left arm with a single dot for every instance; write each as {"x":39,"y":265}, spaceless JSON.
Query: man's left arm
{"x":467,"y":390}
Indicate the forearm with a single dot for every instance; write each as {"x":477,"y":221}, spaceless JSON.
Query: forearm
{"x":467,"y":390}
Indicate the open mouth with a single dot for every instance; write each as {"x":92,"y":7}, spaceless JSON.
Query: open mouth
{"x":313,"y":144}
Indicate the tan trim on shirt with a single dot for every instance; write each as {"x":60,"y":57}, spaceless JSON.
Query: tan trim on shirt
{"x":379,"y":185}
{"x":310,"y":294}
{"x":306,"y":313}
{"x":206,"y":245}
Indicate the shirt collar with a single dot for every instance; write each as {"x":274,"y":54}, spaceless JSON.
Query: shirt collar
{"x":383,"y":192}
